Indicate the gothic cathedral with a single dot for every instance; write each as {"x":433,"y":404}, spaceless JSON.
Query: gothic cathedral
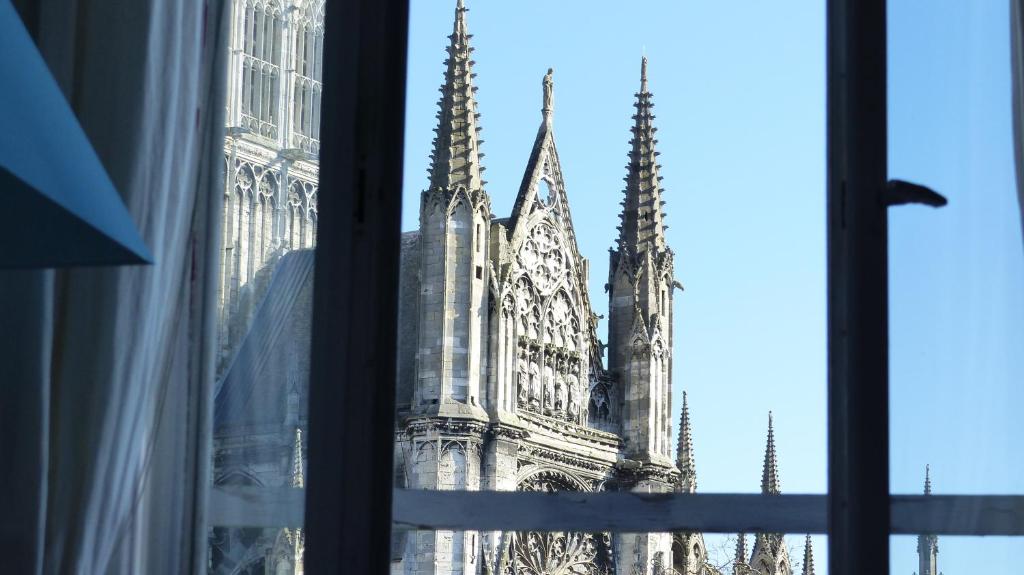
{"x":501,"y":379}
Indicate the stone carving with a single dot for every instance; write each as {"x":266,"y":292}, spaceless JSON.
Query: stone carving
{"x":535,"y":392}
{"x":560,"y":552}
{"x":549,"y":387}
{"x":572,"y":383}
{"x":542,"y":257}
{"x":549,"y":92}
{"x":522,"y":378}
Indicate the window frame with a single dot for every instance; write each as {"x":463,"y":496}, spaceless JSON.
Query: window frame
{"x":348,"y":500}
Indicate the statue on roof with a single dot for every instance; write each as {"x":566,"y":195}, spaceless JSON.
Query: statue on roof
{"x":549,"y":93}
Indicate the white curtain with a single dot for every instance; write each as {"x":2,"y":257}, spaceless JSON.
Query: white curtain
{"x":107,"y":371}
{"x":1017,"y":59}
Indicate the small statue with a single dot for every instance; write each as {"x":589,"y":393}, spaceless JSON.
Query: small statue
{"x":549,"y":93}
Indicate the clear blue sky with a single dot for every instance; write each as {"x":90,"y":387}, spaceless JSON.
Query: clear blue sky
{"x":739,"y":89}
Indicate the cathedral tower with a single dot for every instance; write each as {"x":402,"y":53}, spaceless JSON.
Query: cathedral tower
{"x":446,"y":423}
{"x":454,"y":224}
{"x":640,"y":327}
{"x":640,"y":300}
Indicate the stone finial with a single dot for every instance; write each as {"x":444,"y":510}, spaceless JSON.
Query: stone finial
{"x":643,"y":75}
{"x":549,"y":94}
{"x":770,"y":484}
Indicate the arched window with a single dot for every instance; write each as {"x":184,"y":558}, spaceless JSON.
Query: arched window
{"x":263,"y":27}
{"x":309,"y":41}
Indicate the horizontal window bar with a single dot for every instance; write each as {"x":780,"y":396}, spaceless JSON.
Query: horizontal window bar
{"x":236,"y":506}
{"x":251,"y":506}
{"x":957,"y":514}
{"x":608,"y":511}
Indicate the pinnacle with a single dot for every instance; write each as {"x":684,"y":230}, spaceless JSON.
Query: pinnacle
{"x":770,"y":484}
{"x":298,"y":476}
{"x":927,"y":480}
{"x":741,"y":551}
{"x":808,"y":557}
{"x":644,"y":221}
{"x":455,"y":159}
{"x":684,"y":451}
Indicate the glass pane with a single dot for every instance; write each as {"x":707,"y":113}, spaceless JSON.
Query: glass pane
{"x":269,"y":232}
{"x":597,"y":553}
{"x":545,"y":341}
{"x":956,"y":273}
{"x":931,"y":555}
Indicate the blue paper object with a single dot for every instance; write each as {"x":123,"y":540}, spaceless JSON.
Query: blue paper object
{"x":59,"y":206}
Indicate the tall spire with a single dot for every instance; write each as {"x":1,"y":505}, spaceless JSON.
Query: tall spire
{"x":684,"y":452}
{"x":808,"y":557}
{"x":455,"y":160}
{"x":928,"y":544}
{"x":642,"y":220}
{"x":770,"y":484}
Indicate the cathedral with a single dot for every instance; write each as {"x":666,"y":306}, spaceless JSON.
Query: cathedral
{"x":502,"y":381}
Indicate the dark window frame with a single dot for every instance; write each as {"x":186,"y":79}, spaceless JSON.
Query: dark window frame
{"x":348,"y":504}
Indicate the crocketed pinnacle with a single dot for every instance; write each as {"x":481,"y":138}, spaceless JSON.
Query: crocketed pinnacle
{"x":741,"y":552}
{"x":642,"y":221}
{"x":298,"y":476}
{"x":455,"y":160}
{"x":684,"y":452}
{"x":770,"y":474}
{"x":927,"y":480}
{"x":808,"y":557}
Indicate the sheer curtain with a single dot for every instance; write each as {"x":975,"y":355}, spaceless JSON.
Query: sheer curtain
{"x":107,"y":371}
{"x":1017,"y":59}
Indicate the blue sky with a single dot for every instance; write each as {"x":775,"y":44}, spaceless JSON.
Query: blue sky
{"x":739,"y":89}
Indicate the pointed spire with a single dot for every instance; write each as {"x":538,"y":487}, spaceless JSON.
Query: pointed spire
{"x":455,"y":160}
{"x":298,"y":476}
{"x":808,"y":557}
{"x":741,"y":552}
{"x":770,"y":474}
{"x":642,"y":219}
{"x":684,"y":452}
{"x":928,"y":544}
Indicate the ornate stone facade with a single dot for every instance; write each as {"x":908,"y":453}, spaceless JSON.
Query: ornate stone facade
{"x":502,"y":383}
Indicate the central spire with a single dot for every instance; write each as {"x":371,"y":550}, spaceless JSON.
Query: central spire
{"x":455,"y":160}
{"x":770,"y":484}
{"x":642,"y":220}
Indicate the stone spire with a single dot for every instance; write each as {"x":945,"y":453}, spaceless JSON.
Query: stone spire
{"x":928,"y":545}
{"x":808,"y":557}
{"x":298,"y":475}
{"x":642,"y":220}
{"x":684,"y":453}
{"x":741,"y":553}
{"x":770,"y":484}
{"x":455,"y":160}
